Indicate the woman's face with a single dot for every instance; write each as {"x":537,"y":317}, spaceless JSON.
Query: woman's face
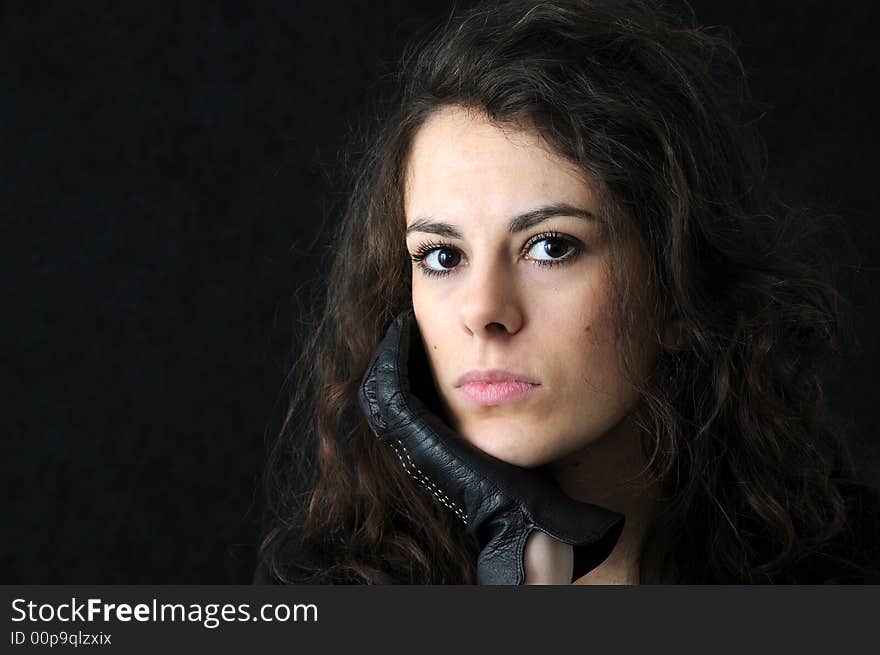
{"x":516,"y":280}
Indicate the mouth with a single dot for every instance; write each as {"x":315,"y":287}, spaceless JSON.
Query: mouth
{"x":486,"y":392}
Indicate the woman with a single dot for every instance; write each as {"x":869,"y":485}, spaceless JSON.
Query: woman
{"x":569,"y":335}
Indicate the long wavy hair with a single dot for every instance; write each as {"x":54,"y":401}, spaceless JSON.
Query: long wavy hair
{"x":755,"y":472}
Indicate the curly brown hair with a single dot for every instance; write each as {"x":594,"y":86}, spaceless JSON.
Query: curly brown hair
{"x":755,"y":472}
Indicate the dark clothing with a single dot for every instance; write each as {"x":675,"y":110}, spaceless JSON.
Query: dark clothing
{"x":829,"y":565}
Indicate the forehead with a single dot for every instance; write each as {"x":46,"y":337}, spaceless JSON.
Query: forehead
{"x":464,"y":167}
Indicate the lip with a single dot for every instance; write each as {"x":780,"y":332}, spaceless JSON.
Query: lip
{"x":494,"y":386}
{"x":492,"y":375}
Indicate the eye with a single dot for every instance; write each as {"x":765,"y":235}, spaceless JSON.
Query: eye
{"x":551,"y":249}
{"x":436,"y":259}
{"x":441,"y":259}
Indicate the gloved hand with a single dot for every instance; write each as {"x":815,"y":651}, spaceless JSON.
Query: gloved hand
{"x":499,"y":503}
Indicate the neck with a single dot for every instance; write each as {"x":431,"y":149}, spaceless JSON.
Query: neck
{"x":607,"y":473}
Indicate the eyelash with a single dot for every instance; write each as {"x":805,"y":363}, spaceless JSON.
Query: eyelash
{"x":426,"y":248}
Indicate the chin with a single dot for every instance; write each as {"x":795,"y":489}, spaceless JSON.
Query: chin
{"x":511,"y":447}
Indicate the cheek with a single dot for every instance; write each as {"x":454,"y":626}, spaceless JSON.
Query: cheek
{"x":432,"y":328}
{"x":602,"y":389}
{"x":590,"y":353}
{"x":423,"y":310}
{"x":425,"y":303}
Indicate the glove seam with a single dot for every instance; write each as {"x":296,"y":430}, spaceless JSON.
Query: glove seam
{"x":428,"y":483}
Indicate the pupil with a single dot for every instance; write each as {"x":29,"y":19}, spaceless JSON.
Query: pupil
{"x":554,"y":244}
{"x":447,"y":258}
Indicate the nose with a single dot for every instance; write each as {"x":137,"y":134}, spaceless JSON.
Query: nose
{"x":489,"y":304}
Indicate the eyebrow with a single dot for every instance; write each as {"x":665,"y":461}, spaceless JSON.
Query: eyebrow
{"x":516,"y":224}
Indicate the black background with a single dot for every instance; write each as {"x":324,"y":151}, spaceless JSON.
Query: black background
{"x":169,"y":173}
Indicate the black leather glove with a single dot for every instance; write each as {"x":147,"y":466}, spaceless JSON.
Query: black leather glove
{"x":498,"y":502}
